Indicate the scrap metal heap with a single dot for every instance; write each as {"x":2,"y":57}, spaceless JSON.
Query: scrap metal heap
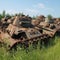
{"x":19,"y":30}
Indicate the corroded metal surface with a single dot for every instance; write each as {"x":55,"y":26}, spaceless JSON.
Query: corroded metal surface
{"x":19,"y":29}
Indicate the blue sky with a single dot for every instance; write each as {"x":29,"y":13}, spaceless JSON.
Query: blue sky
{"x":31,"y":7}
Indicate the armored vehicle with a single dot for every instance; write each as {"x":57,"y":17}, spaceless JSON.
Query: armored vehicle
{"x":20,"y":31}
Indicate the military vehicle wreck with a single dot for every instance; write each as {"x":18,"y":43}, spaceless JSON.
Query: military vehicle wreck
{"x":19,"y":30}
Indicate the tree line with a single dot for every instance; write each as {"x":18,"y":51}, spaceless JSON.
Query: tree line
{"x":3,"y":14}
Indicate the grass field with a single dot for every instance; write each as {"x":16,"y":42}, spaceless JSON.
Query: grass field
{"x":50,"y":53}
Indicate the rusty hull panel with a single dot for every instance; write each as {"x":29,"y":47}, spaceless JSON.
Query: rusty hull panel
{"x":5,"y":38}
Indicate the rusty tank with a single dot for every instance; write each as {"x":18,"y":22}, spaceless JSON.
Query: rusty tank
{"x":20,"y":31}
{"x":50,"y":28}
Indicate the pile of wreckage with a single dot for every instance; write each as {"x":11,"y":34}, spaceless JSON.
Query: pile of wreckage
{"x":23,"y":31}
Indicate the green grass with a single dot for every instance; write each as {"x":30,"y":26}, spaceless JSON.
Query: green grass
{"x":50,"y":53}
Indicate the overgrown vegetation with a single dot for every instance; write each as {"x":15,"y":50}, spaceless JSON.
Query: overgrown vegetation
{"x":50,"y":53}
{"x":4,"y":14}
{"x":49,"y":17}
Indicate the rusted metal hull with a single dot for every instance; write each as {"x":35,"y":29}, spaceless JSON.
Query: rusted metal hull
{"x":11,"y":43}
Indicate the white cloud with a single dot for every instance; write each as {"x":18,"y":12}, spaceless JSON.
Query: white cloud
{"x":12,"y":11}
{"x":50,"y":9}
{"x":41,"y":5}
{"x":31,"y":10}
{"x":37,"y":9}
